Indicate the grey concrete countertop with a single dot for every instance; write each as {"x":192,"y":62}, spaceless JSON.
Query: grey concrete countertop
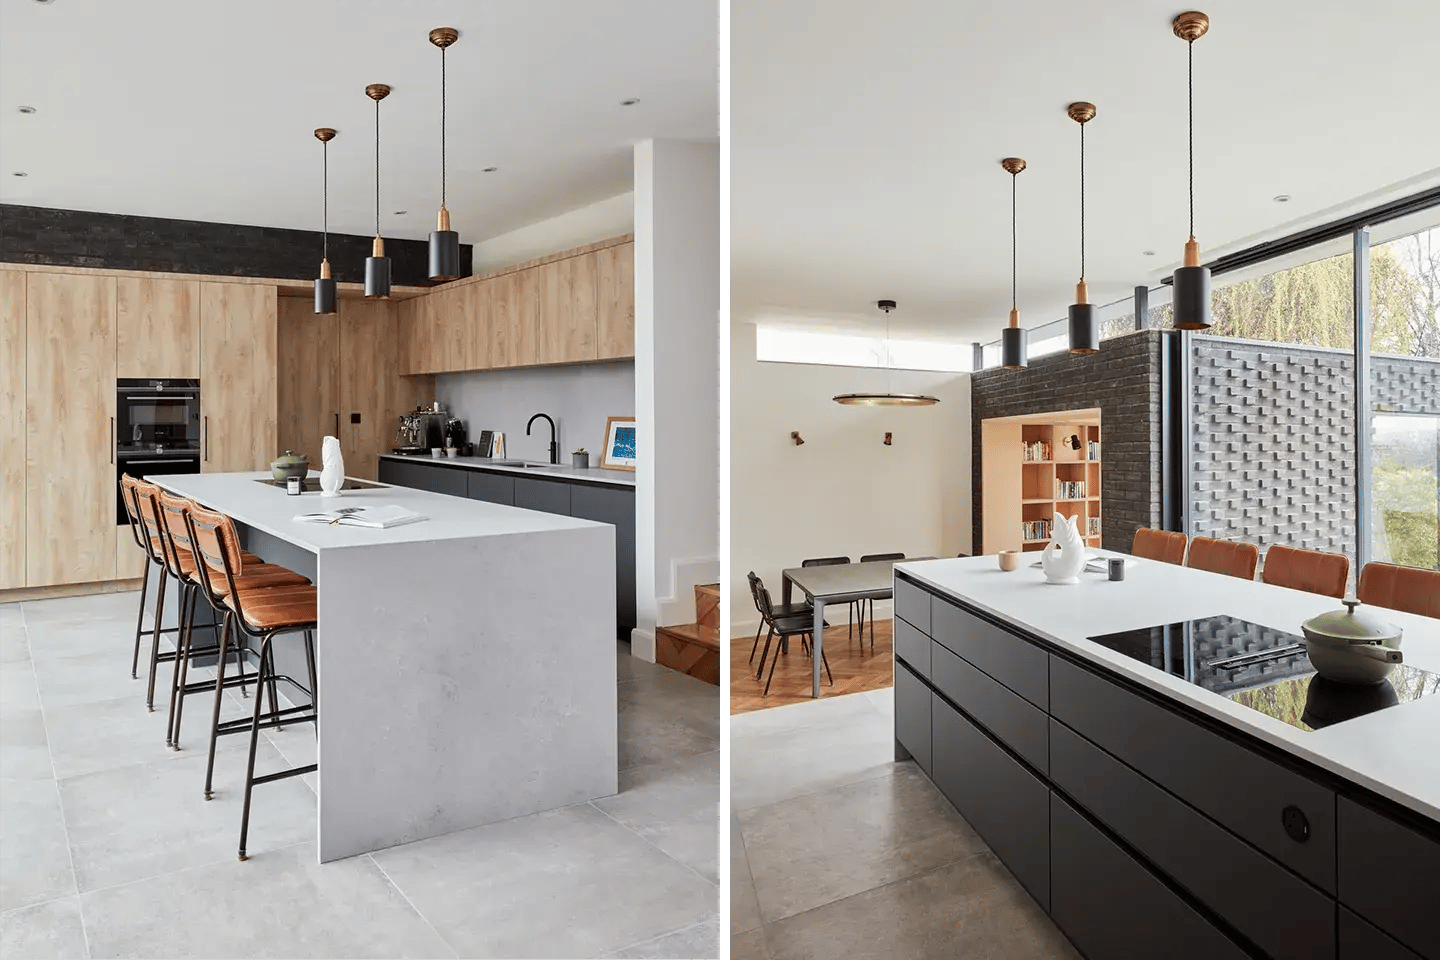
{"x":563,"y":472}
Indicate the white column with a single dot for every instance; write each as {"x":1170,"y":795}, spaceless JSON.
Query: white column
{"x":677,"y":380}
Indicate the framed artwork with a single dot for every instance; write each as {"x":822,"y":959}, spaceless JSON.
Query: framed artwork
{"x":619,"y":450}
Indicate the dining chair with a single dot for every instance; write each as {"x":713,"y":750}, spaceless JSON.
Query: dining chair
{"x":782,"y":628}
{"x":1167,"y":546}
{"x":870,"y":604}
{"x":780,"y":610}
{"x":852,"y":609}
{"x":1409,"y":589}
{"x":1230,"y":557}
{"x":1310,"y":570}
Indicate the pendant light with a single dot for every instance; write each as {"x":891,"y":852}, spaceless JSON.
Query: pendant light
{"x":324,"y":286}
{"x":1192,"y":281}
{"x":444,"y":242}
{"x":1014,"y":341}
{"x":1084,"y":326}
{"x":377,"y":265}
{"x":886,"y":399}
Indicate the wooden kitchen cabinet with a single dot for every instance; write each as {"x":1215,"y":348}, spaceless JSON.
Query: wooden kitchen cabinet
{"x":12,"y":429}
{"x":69,"y":429}
{"x":238,"y":354}
{"x":615,"y":304}
{"x":569,"y":300}
{"x":307,"y":388}
{"x":514,"y":316}
{"x":372,"y":385}
{"x":157,"y":328}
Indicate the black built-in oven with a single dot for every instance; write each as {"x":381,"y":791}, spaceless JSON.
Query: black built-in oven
{"x":157,"y":430}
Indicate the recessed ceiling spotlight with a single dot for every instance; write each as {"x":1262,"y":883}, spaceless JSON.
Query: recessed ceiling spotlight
{"x":629,"y":101}
{"x":1282,"y":198}
{"x":401,"y":213}
{"x":19,"y":173}
{"x":44,"y":1}
{"x":1147,"y":253}
{"x":489,"y":169}
{"x":26,"y":109}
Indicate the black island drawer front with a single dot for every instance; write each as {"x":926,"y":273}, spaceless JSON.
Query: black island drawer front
{"x":1390,"y":875}
{"x":1112,"y":908}
{"x":912,"y":604}
{"x":1005,"y":803}
{"x":1269,"y":905}
{"x":1019,"y":664}
{"x":490,"y":487}
{"x":912,"y":716}
{"x":1013,"y":720}
{"x":1286,"y":815}
{"x":913,"y":647}
{"x":547,"y":496}
{"x":1361,"y":941}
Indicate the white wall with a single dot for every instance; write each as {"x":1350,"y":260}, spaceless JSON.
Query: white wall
{"x":578,"y":397}
{"x":599,"y":221}
{"x":677,"y":380}
{"x":843,"y":493}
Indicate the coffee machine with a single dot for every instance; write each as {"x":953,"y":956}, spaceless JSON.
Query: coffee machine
{"x":421,"y":431}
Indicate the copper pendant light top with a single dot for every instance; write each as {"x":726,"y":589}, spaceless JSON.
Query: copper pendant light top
{"x":1190,"y":25}
{"x":1013,"y":165}
{"x":442,"y":37}
{"x":886,"y":399}
{"x":1081,"y":111}
{"x":377,"y":91}
{"x":324,"y":134}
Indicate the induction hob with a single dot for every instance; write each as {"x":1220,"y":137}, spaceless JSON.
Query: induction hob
{"x":1264,"y":669}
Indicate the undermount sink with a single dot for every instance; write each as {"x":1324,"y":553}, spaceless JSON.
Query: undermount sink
{"x":525,"y":464}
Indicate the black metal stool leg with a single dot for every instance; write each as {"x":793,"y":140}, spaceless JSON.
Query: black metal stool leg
{"x":155,"y":644}
{"x":182,"y":653}
{"x":274,"y":695}
{"x":140,"y":621}
{"x":180,"y":689}
{"x":314,"y":677}
{"x":260,"y":681}
{"x":219,"y":695}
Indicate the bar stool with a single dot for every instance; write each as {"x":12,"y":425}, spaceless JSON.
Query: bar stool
{"x":254,"y":615}
{"x":151,"y":547}
{"x":197,"y":583}
{"x":1230,"y":557}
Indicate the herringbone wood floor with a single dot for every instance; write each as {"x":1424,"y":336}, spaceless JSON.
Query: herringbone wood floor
{"x":855,"y":670}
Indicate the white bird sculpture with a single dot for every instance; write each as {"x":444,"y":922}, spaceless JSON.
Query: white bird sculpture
{"x":332,"y":468}
{"x":1064,"y":558}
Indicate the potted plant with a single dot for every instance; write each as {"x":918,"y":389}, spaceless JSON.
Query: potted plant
{"x":580,"y":459}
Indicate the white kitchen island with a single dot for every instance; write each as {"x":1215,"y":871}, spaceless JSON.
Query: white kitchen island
{"x":466,"y":663}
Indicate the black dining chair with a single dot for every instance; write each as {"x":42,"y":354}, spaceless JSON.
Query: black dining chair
{"x":780,"y":610}
{"x":783,"y":628}
{"x":853,"y":607}
{"x":870,"y":604}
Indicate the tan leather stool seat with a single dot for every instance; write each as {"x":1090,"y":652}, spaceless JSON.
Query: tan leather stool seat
{"x":1310,"y":570}
{"x":1230,"y":557}
{"x":1410,"y":589}
{"x":1167,"y":546}
{"x":278,"y":608}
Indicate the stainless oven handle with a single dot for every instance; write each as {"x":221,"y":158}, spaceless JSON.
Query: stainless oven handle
{"x":163,"y":396}
{"x":168,"y":460}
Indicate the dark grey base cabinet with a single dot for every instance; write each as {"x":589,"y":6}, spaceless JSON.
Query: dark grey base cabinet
{"x":912,"y":716}
{"x":584,"y":501}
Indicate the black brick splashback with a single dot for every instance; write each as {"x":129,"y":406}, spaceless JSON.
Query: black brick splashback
{"x":1123,"y":380}
{"x":75,"y":238}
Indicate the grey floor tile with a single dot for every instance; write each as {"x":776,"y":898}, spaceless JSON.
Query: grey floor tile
{"x":826,"y":846}
{"x":675,"y":805}
{"x":630,"y":667}
{"x":116,"y":607}
{"x":971,"y":909}
{"x":91,"y":678}
{"x":749,"y":946}
{"x":744,"y":905}
{"x":11,"y":615}
{"x":77,"y":638}
{"x":564,"y":883}
{"x":281,"y":903}
{"x":14,"y":641}
{"x":700,"y":942}
{"x":90,"y":737}
{"x":654,"y":726}
{"x":51,"y":929}
{"x":147,"y":819}
{"x":807,"y":747}
{"x":24,"y":753}
{"x":18,"y":692}
{"x":34,"y":855}
{"x":883,"y":699}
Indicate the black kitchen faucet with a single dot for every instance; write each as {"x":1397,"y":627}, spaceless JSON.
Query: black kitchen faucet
{"x":554,"y":447}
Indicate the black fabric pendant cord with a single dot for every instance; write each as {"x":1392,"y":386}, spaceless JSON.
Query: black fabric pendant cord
{"x":324,"y":285}
{"x":1191,"y":290}
{"x":444,"y":242}
{"x":1014,"y":340}
{"x":377,"y":266}
{"x":1084,"y":325}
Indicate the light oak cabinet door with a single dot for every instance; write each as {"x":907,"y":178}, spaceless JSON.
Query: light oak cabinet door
{"x":615,"y":337}
{"x":157,"y":328}
{"x":307,"y":391}
{"x":70,"y":429}
{"x":514,"y":316}
{"x":12,"y":429}
{"x":568,"y":306}
{"x":371,"y":383}
{"x":472,"y":317}
{"x":237,"y":376}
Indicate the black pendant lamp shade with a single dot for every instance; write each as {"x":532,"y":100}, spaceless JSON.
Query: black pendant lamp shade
{"x":377,"y":265}
{"x":324,"y":286}
{"x":1191,"y":295}
{"x":444,"y":242}
{"x":1014,"y":341}
{"x":1084,"y":325}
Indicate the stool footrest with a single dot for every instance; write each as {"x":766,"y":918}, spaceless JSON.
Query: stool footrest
{"x":268,"y":720}
{"x":283,"y":774}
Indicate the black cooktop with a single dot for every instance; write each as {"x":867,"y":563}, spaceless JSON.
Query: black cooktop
{"x":1265,"y":669}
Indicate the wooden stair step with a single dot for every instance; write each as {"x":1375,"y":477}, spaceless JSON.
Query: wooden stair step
{"x":707,"y":611}
{"x":686,"y":647}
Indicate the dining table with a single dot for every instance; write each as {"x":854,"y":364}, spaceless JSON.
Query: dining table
{"x":838,"y":583}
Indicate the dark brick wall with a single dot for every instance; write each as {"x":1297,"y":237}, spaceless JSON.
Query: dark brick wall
{"x":1123,"y":380}
{"x":74,"y":238}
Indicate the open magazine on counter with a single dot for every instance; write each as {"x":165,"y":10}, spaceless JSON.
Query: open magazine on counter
{"x":379,"y":517}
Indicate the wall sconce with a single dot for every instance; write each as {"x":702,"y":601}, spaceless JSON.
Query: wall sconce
{"x":887,"y":438}
{"x":1073,"y":441}
{"x":795,"y":435}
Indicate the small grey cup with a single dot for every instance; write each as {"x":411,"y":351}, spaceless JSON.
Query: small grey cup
{"x":1117,"y":568}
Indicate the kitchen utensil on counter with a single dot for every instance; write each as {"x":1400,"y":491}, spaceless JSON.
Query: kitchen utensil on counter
{"x":1009,"y":560}
{"x":1117,"y":568}
{"x":437,"y":452}
{"x":290,"y":465}
{"x":1352,"y":647}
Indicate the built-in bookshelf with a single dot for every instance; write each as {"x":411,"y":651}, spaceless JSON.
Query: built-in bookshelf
{"x":1053,"y":463}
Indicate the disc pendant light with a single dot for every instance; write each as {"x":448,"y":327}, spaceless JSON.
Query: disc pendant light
{"x":1014,"y":341}
{"x":886,"y":399}
{"x":444,"y":242}
{"x":377,"y":265}
{"x":1084,"y":326}
{"x":1192,"y":281}
{"x":324,"y":286}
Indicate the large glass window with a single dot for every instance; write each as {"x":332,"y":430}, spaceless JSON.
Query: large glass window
{"x":788,"y":345}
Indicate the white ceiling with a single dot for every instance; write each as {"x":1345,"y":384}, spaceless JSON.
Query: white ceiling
{"x":204,"y":110}
{"x":866,"y":139}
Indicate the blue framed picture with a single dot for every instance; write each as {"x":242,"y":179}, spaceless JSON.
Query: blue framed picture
{"x":620,"y":449}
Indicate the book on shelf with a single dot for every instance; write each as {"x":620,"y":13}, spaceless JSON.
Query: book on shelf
{"x":1036,"y":530}
{"x":1038,"y":450}
{"x":1092,"y":450}
{"x":378,"y":518}
{"x":1093,"y":526}
{"x":1069,"y":489}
